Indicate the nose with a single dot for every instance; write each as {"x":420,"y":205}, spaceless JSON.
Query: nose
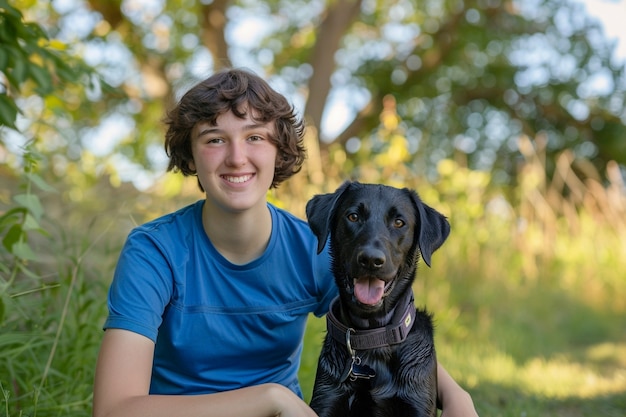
{"x":236,"y":154}
{"x":371,"y":258}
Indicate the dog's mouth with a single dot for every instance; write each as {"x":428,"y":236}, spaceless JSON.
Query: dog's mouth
{"x":370,"y":290}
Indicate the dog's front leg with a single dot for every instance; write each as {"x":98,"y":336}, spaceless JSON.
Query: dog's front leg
{"x":329,"y":398}
{"x":331,"y":394}
{"x":418,"y":390}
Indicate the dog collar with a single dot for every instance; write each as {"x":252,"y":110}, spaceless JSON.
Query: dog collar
{"x":391,"y":334}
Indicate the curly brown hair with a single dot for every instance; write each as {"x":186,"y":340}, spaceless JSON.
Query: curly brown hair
{"x":235,"y":90}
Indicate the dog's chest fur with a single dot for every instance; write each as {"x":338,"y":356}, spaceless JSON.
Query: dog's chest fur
{"x":400,"y":387}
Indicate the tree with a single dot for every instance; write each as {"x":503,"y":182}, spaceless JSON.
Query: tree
{"x":467,"y":77}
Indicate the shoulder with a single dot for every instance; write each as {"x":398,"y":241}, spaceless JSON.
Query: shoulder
{"x":297,"y":240}
{"x":166,"y":235}
{"x":178,"y":222}
{"x":290,"y":227}
{"x":185,"y":214}
{"x":286,"y":216}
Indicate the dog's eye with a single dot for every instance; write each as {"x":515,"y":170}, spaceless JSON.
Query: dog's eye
{"x":353,"y":217}
{"x":398,"y":223}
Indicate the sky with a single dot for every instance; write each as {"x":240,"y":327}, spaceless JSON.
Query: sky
{"x":612,"y":14}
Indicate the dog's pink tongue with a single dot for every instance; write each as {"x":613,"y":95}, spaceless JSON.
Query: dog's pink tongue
{"x":369,"y":290}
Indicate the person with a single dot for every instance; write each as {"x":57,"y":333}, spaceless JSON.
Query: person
{"x":208,"y":304}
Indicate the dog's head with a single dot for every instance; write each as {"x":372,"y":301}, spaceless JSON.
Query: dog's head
{"x":376,"y":235}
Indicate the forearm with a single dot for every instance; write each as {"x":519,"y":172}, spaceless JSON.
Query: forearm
{"x":265,"y":400}
{"x":455,"y":401}
{"x":122,"y":383}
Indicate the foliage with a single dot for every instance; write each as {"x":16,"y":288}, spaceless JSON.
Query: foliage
{"x":49,"y":321}
{"x":49,"y":315}
{"x":528,"y":292}
{"x":469,"y":77}
{"x":31,"y":65}
{"x":44,"y":88}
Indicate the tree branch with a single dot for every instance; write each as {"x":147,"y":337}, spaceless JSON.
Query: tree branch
{"x":338,"y":18}
{"x":213,"y":25}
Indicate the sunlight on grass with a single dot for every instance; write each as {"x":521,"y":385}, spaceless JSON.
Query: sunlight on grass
{"x":561,"y":377}
{"x":600,"y":371}
{"x":608,"y":354}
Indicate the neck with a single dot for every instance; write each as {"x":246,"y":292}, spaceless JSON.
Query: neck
{"x":240,"y":237}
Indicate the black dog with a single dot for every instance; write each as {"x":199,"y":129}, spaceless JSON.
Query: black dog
{"x":378,"y":358}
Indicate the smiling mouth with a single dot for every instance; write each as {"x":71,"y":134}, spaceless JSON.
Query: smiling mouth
{"x":237,"y":179}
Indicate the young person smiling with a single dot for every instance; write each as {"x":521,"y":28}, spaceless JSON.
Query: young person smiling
{"x":208,"y":304}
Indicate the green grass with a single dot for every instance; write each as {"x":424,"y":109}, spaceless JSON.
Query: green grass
{"x":537,"y":351}
{"x":522,"y":346}
{"x":530,"y":350}
{"x":529,"y":298}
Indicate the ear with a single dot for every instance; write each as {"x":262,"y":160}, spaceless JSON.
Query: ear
{"x":433,"y":228}
{"x":319,"y":212}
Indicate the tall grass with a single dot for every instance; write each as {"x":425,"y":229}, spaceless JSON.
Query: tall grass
{"x":51,"y":303}
{"x":529,"y":291}
{"x":537,"y":290}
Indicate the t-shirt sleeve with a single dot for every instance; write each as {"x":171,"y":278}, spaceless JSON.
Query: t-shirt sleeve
{"x":141,"y":288}
{"x":325,"y":282}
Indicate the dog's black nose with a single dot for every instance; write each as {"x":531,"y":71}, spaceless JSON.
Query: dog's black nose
{"x":371,"y":258}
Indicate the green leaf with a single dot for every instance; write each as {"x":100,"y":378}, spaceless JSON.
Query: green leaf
{"x":31,"y":202}
{"x":8,"y":111}
{"x":23,"y":250}
{"x":30,"y":223}
{"x":14,"y":234}
{"x":35,"y":31}
{"x":27,"y":272}
{"x":11,"y":217}
{"x":41,"y":77}
{"x":8,"y":339}
{"x":7,"y":9}
{"x":4,"y":59}
{"x":40,"y":182}
{"x":20,"y":69}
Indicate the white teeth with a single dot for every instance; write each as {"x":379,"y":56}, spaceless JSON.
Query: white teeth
{"x":238,"y":180}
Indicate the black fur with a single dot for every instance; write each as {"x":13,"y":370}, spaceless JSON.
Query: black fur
{"x":378,"y":232}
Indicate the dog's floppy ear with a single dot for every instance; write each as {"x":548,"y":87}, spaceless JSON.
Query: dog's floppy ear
{"x":319,"y":212}
{"x":434,"y":228}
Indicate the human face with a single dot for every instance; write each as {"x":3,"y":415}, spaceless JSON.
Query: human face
{"x":234,"y":160}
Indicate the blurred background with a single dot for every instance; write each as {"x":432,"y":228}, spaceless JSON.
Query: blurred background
{"x":507,"y":116}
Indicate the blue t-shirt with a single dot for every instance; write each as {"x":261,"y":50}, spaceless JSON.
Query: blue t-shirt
{"x":218,"y":326}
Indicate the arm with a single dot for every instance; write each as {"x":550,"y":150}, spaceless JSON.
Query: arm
{"x":456,"y":402}
{"x":122,"y":384}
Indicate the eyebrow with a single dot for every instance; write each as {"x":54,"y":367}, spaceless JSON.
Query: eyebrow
{"x":251,"y":126}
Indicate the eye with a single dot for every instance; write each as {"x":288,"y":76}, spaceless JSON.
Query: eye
{"x":255,"y":138}
{"x":353,"y":217}
{"x":398,"y":223}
